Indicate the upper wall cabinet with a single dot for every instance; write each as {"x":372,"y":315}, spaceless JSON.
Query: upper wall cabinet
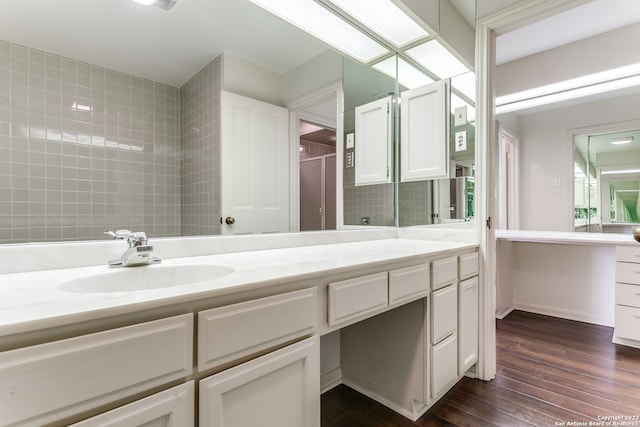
{"x":373,"y":142}
{"x":424,"y":135}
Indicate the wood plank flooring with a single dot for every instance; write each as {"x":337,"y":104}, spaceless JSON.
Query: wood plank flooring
{"x":550,"y":371}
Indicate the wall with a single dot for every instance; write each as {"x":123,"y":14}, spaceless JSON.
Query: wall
{"x":200,"y":145}
{"x":84,"y":149}
{"x":248,"y":79}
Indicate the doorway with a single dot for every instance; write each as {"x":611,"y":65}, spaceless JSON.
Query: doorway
{"x":317,"y":177}
{"x":508,"y":180}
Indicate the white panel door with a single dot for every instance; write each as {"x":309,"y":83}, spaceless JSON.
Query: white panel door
{"x":280,"y":389}
{"x":373,"y":142}
{"x":424,"y":135}
{"x":254,"y":166}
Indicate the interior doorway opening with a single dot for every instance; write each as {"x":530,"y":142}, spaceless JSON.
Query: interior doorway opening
{"x":317,"y":154}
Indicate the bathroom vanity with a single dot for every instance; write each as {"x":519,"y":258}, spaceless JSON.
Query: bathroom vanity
{"x":243,"y":348}
{"x":589,"y":277}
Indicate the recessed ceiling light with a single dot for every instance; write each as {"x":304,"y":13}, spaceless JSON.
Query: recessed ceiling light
{"x":616,"y":172}
{"x":436,"y":58}
{"x":620,"y":141}
{"x":384,"y":18}
{"x":162,"y":4}
{"x":407,"y":75}
{"x":326,"y":26}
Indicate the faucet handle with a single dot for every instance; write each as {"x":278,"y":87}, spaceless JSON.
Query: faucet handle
{"x":139,"y":238}
{"x":119,"y":234}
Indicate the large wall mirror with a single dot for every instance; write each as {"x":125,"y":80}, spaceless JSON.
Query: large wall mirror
{"x":559,"y":166}
{"x":607,"y":182}
{"x":99,"y":133}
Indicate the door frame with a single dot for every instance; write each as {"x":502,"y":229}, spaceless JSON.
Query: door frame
{"x":487,"y":28}
{"x":297,"y":113}
{"x":508,"y":169}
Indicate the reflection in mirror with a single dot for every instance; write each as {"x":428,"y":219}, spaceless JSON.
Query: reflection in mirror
{"x":607,"y":182}
{"x":364,"y":204}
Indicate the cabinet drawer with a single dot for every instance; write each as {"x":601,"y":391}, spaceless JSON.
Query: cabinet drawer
{"x":628,"y":295}
{"x":232,"y":332}
{"x":628,"y":273}
{"x":628,"y":253}
{"x":48,"y":382}
{"x":444,"y":272}
{"x":627,"y":322}
{"x":350,"y":299}
{"x":468,"y":265}
{"x":408,"y":283}
{"x":172,"y":407}
{"x":444,"y":312}
{"x":444,"y":365}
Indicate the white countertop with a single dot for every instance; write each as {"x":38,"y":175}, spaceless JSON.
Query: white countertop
{"x":566,"y":237}
{"x":31,"y":301}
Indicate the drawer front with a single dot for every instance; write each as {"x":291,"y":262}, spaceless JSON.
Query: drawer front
{"x":173,"y":407}
{"x":468,"y":265}
{"x":92,"y":370}
{"x":354,"y":298}
{"x":628,"y":273}
{"x":444,"y":312}
{"x":628,"y":295}
{"x":627,"y":322}
{"x":444,"y":272}
{"x":235,"y":331}
{"x":408,"y":283}
{"x":628,"y":253}
{"x":444,"y":365}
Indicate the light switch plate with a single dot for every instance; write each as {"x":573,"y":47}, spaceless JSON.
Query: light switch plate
{"x":460,"y":116}
{"x":351,"y":140}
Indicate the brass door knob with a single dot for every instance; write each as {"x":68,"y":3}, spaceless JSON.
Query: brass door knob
{"x":230,"y":220}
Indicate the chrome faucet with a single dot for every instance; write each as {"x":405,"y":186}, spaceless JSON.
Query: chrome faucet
{"x":139,"y":252}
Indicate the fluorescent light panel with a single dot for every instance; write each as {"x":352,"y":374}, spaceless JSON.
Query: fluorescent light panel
{"x":436,"y":58}
{"x":621,"y":141}
{"x":566,"y":95}
{"x":385,"y":19}
{"x":612,"y":79}
{"x":409,"y":76}
{"x":326,"y":26}
{"x":623,"y":171}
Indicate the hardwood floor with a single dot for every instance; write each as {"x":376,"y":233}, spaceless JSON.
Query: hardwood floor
{"x":549,"y":371}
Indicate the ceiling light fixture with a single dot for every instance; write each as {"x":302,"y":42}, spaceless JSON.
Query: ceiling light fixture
{"x":408,"y":75}
{"x":327,"y":26}
{"x":617,"y":78}
{"x":436,"y":58}
{"x":385,"y":19}
{"x":616,"y":172}
{"x":621,"y":141}
{"x":162,"y":4}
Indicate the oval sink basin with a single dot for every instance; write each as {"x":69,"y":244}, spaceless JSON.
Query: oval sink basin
{"x":145,"y":278}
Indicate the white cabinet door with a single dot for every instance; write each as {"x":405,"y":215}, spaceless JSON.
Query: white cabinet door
{"x":280,"y":389}
{"x":424,"y":133}
{"x":444,"y":312}
{"x":373,"y":142}
{"x":468,"y":325}
{"x":254,"y":165}
{"x":444,"y":365}
{"x":170,"y":408}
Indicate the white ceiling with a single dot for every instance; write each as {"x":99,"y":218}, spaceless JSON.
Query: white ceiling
{"x":590,"y":19}
{"x":168,"y":47}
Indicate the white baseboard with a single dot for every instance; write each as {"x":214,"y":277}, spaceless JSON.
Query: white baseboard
{"x":502,"y":312}
{"x":330,"y":379}
{"x":564,"y":314}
